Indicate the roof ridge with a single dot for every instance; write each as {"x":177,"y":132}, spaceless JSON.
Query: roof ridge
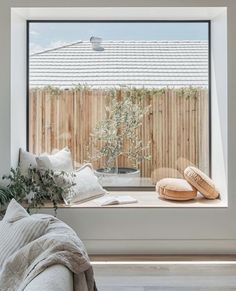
{"x":147,"y":41}
{"x":56,"y":48}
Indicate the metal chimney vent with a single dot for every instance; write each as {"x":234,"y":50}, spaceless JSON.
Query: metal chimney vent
{"x":96,"y":43}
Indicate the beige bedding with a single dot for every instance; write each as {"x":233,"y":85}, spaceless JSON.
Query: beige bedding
{"x":54,"y":278}
{"x":59,"y":245}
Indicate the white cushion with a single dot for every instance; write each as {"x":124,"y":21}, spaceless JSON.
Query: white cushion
{"x":60,"y":161}
{"x":26,"y":160}
{"x":17,"y":229}
{"x":14,"y":212}
{"x":86,"y":185}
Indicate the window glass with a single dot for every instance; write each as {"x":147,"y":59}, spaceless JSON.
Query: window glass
{"x":132,"y":98}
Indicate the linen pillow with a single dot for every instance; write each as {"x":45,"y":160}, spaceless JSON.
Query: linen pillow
{"x":175,"y":189}
{"x":17,"y":229}
{"x":201,"y":182}
{"x":60,"y":161}
{"x":86,"y":185}
{"x":14,"y":212}
{"x":26,"y":160}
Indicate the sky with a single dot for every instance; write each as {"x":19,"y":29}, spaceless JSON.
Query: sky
{"x":47,"y":35}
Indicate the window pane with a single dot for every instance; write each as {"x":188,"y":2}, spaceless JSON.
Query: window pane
{"x":132,"y":98}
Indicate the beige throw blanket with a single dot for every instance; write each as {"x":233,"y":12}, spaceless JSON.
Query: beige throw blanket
{"x":59,"y":245}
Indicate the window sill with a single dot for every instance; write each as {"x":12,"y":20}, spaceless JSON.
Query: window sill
{"x":150,"y":199}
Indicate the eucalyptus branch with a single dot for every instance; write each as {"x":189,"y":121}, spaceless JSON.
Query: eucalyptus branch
{"x":38,"y":187}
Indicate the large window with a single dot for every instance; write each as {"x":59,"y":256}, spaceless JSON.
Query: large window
{"x":132,"y":98}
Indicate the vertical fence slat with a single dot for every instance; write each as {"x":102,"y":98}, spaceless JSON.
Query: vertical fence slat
{"x":177,"y":126}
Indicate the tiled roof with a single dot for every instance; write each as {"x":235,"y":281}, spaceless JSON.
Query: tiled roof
{"x":133,"y":63}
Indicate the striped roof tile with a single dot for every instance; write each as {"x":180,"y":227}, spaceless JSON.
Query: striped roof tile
{"x":121,"y":63}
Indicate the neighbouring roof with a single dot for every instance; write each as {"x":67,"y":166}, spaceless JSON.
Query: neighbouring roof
{"x":133,"y":63}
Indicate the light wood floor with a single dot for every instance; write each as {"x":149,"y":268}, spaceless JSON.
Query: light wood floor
{"x":165,"y":273}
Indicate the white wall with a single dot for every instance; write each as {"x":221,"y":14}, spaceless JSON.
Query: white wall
{"x":219,"y":95}
{"x":18,"y":86}
{"x":139,"y":230}
{"x":5,"y":124}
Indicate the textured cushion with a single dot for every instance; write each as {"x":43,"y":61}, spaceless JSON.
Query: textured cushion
{"x":60,"y":161}
{"x":26,"y":160}
{"x":175,"y":189}
{"x":86,"y":185}
{"x":201,"y":182}
{"x":17,"y":229}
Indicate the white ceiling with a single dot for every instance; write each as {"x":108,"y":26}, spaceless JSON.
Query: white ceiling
{"x":120,"y":13}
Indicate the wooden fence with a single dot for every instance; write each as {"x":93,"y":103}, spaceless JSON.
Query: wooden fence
{"x":177,"y":126}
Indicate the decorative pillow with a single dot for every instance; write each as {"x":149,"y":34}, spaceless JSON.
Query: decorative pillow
{"x":14,"y":212}
{"x":86,"y":185}
{"x":26,"y":160}
{"x":201,"y":182}
{"x":17,"y":229}
{"x":175,"y":189}
{"x":60,"y":161}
